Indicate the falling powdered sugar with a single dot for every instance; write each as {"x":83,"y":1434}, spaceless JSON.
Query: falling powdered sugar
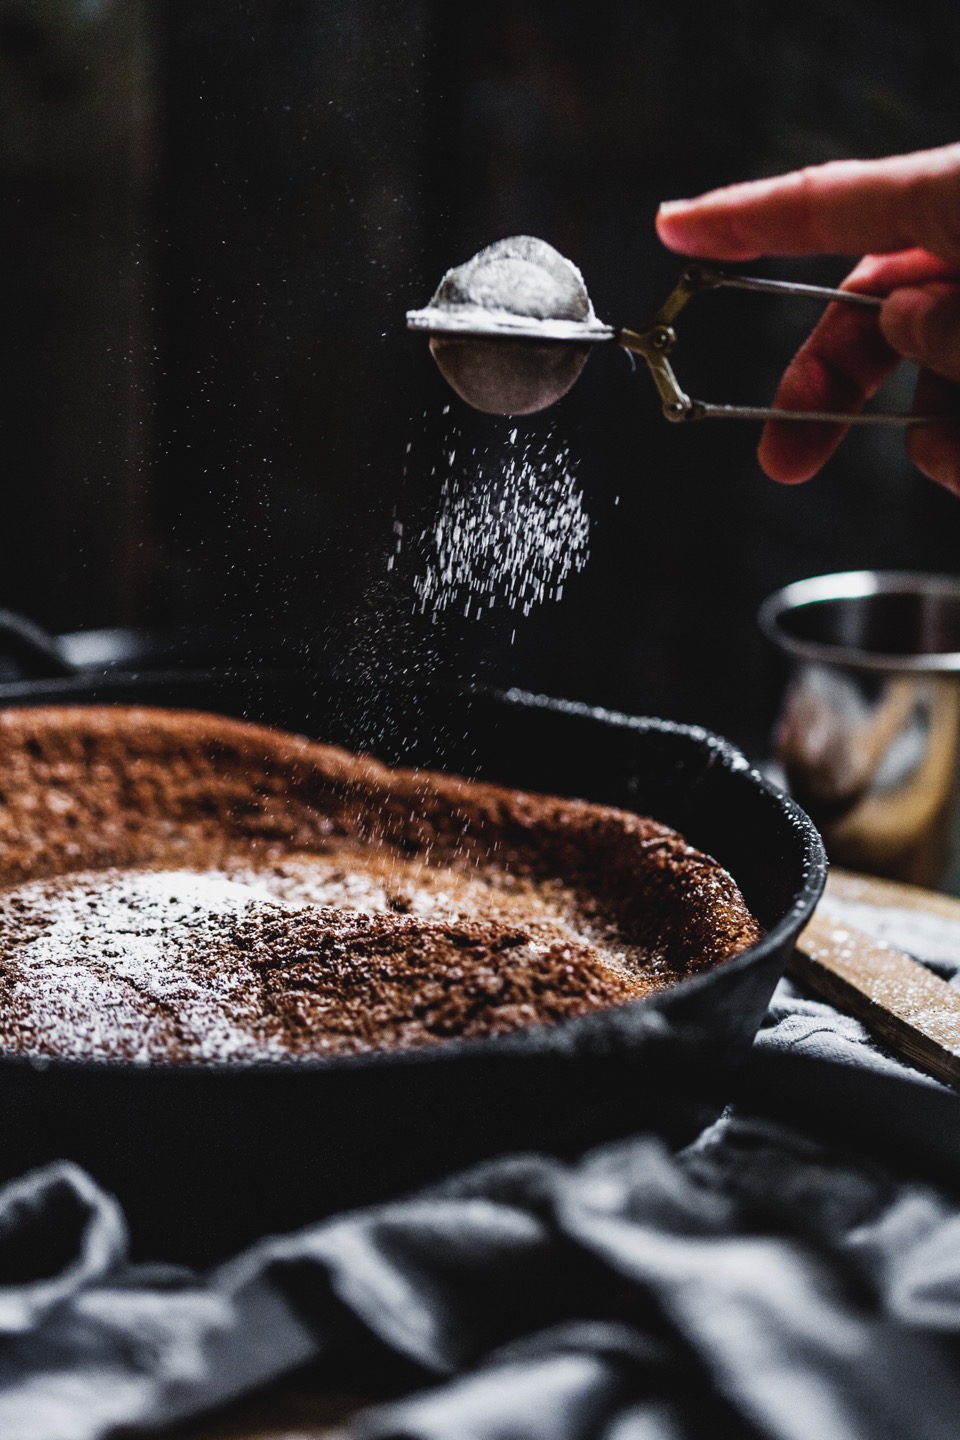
{"x":510,"y":531}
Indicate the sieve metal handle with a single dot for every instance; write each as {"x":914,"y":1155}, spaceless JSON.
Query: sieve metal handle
{"x":656,"y":342}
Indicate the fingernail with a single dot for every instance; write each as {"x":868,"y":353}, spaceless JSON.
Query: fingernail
{"x":670,"y":207}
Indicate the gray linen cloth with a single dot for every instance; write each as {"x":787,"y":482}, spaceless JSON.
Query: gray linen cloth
{"x":757,"y":1284}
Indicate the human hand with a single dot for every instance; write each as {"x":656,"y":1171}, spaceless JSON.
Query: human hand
{"x":906,"y":211}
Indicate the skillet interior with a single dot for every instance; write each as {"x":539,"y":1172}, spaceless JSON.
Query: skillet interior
{"x":190,"y":888}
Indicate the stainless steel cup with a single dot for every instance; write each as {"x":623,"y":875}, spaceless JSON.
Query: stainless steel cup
{"x":869,"y":727}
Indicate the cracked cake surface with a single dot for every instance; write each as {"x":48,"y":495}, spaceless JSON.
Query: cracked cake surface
{"x":182,"y":887}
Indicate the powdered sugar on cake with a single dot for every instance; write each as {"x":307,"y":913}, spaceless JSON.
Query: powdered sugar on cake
{"x":287,"y":960}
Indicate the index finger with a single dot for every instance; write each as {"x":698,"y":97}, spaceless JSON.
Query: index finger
{"x":844,"y":207}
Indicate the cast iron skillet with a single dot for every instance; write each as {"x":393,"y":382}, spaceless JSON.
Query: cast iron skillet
{"x":206,"y":1158}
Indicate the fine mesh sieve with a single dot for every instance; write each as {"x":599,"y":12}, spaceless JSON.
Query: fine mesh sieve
{"x":512,"y":328}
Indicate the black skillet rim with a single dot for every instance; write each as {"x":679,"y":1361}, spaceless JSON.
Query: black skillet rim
{"x":30,"y":694}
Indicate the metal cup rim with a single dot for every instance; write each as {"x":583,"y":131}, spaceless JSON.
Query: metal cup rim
{"x":857,"y":585}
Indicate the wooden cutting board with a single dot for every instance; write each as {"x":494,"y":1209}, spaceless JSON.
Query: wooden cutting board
{"x":908,"y":1008}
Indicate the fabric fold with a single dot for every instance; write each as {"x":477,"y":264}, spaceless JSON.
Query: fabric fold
{"x":755,"y":1284}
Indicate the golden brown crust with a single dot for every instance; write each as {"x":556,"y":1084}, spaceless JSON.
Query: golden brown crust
{"x":542,"y":907}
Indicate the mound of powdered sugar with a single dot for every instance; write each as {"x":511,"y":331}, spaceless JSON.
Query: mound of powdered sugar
{"x":522,"y":276}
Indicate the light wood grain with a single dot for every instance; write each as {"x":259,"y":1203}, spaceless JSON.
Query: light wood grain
{"x":845,"y":885}
{"x":902,"y":1003}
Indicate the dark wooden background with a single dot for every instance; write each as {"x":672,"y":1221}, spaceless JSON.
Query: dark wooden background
{"x":215,"y":214}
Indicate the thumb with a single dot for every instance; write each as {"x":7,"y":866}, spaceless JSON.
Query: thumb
{"x":923,"y":324}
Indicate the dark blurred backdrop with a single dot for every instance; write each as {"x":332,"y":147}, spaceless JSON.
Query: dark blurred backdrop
{"x":215,"y":215}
